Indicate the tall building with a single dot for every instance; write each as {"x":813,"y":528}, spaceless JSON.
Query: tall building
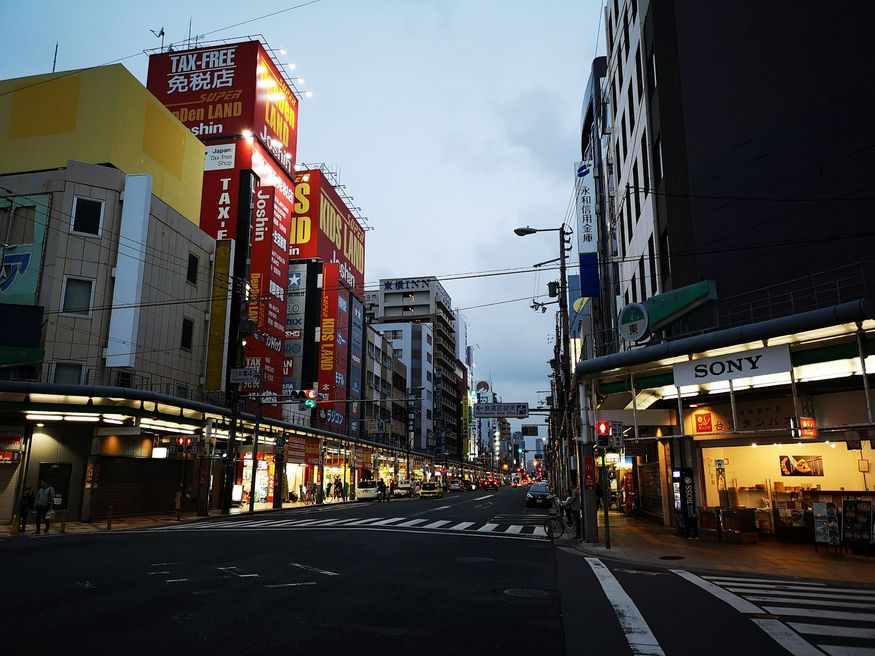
{"x":720,"y":168}
{"x":425,"y":301}
{"x":384,"y":407}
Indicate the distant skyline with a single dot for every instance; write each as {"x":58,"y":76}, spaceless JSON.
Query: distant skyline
{"x":450,"y":123}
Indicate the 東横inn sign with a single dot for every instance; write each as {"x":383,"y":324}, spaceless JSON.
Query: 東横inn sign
{"x":744,"y":364}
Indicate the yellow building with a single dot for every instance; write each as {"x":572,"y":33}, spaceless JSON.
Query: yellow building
{"x":101,"y":115}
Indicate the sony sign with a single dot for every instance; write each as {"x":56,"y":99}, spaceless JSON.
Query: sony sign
{"x":746,"y":364}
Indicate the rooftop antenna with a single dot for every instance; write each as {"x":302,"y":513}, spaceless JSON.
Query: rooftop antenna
{"x":189,"y":33}
{"x":159,"y":34}
{"x":55,"y":60}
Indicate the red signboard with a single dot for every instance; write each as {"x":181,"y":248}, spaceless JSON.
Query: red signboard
{"x":267,"y":284}
{"x":219,"y":202}
{"x":588,"y":472}
{"x":807,"y":427}
{"x":332,"y":374}
{"x":228,"y":90}
{"x":704,"y":423}
{"x":323,"y":227}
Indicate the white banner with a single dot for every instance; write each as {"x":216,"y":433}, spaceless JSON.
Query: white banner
{"x":746,"y":364}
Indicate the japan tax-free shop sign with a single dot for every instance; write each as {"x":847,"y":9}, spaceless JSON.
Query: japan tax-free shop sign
{"x":744,"y":364}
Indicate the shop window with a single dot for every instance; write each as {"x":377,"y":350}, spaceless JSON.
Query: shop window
{"x":77,"y":297}
{"x":87,"y":216}
{"x":185,"y":342}
{"x":68,"y":373}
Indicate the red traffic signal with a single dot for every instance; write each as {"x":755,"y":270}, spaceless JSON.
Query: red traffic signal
{"x":603,"y":427}
{"x":311,"y":398}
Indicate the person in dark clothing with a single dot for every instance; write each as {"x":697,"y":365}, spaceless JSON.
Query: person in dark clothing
{"x":25,"y":505}
{"x":45,"y":499}
{"x":381,"y":486}
{"x":338,"y":489}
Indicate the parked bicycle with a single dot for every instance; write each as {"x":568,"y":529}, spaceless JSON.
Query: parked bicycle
{"x":558,"y":522}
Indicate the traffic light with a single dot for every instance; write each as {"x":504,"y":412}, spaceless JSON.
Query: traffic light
{"x":603,"y":432}
{"x":311,"y":398}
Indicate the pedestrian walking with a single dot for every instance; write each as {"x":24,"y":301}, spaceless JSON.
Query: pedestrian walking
{"x":392,"y":488}
{"x":45,"y":499}
{"x":338,"y":489}
{"x":25,"y":505}
{"x":381,"y":487}
{"x":328,"y":488}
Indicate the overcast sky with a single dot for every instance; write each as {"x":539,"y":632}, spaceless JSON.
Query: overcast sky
{"x":451,"y":122}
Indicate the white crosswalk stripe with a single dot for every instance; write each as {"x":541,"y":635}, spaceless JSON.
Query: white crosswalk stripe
{"x":493,"y":528}
{"x":834,"y":619}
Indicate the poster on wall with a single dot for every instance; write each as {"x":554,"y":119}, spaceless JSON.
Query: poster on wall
{"x":826,"y":524}
{"x":801,"y":465}
{"x":857,"y":521}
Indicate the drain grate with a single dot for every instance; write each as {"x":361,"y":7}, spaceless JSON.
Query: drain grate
{"x":526,"y":592}
{"x":671,"y":557}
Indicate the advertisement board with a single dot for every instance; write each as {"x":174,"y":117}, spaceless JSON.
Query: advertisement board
{"x":331,"y":416}
{"x":219,"y":201}
{"x":294,"y":343}
{"x":744,"y":364}
{"x":323,"y":227}
{"x":587,"y":228}
{"x":268,"y":279}
{"x":227,"y":90}
{"x":356,"y":353}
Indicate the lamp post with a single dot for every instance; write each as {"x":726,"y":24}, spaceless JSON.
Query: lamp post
{"x":561,"y":365}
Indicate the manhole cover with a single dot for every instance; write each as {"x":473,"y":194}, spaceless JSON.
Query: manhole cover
{"x":474,"y":559}
{"x":671,"y":557}
{"x":526,"y":592}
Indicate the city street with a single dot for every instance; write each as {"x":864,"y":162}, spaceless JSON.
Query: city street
{"x":471,"y":571}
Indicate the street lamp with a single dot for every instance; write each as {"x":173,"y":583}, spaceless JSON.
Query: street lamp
{"x":561,"y":362}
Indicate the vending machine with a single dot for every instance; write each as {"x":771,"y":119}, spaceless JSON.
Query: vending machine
{"x":685,"y":502}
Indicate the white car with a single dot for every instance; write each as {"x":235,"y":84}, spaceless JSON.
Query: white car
{"x":455,"y":486}
{"x":404,"y":489}
{"x":367,"y":490}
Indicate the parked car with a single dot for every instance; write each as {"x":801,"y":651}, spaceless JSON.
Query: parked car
{"x":539,"y":496}
{"x":455,"y":485}
{"x":404,"y":488}
{"x":366,"y":490}
{"x":431,"y":489}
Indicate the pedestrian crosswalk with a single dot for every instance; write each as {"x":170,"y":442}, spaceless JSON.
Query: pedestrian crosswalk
{"x":495,"y":528}
{"x":835,"y":619}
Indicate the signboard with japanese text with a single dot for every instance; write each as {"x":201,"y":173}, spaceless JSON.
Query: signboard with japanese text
{"x":228,"y":90}
{"x":268,"y":279}
{"x":498,"y":410}
{"x":294,"y":342}
{"x":587,"y":228}
{"x":323,"y":227}
{"x":331,"y":416}
{"x":219,"y":200}
{"x":633,"y":322}
{"x":744,"y":364}
{"x":775,"y":414}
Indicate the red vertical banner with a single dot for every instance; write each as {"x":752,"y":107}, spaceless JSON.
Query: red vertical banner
{"x":331,"y":416}
{"x":267,"y":294}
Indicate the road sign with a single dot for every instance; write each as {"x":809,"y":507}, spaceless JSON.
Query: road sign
{"x":617,"y":434}
{"x":497,"y":410}
{"x":244,"y":376}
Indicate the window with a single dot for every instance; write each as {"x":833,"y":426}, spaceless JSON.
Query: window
{"x":664,"y":258}
{"x":631,"y":110}
{"x":87,"y":215}
{"x":427,"y":413}
{"x":634,"y":290}
{"x":428,"y":357}
{"x":626,"y":35}
{"x":76,"y":299}
{"x":654,"y":289}
{"x":634,"y":8}
{"x":638,"y":72}
{"x":652,"y":72}
{"x":657,"y":162}
{"x":124,"y":379}
{"x":622,"y":235}
{"x":69,"y":373}
{"x":646,"y":181}
{"x":398,"y":353}
{"x":642,"y":278}
{"x":181,"y":392}
{"x":428,"y":339}
{"x":187,"y":334}
{"x":636,"y":191}
{"x":628,"y":210}
{"x":191,"y":274}
{"x":428,"y":376}
{"x":625,"y":142}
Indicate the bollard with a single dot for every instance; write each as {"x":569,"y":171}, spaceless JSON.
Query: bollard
{"x":109,"y":519}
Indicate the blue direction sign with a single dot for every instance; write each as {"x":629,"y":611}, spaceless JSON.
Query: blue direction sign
{"x":497,"y":410}
{"x":281,"y":440}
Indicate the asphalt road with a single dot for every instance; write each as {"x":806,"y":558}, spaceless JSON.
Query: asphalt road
{"x":470,"y":573}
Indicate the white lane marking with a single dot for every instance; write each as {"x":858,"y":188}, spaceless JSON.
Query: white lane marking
{"x":248,"y":576}
{"x":819,"y":614}
{"x":785,"y":637}
{"x":813,"y":602}
{"x":317,"y":522}
{"x":363,"y":521}
{"x":835,"y":631}
{"x":639,"y":636}
{"x":162,"y":564}
{"x":470,"y":534}
{"x":314,"y":569}
{"x":289,"y":585}
{"x":739,"y":604}
{"x":442,"y":508}
{"x":486,"y":497}
{"x":176,"y":580}
{"x":841,"y":650}
{"x":486,"y":528}
{"x":461,"y":526}
{"x":540,"y":531}
{"x":437,"y":524}
{"x":514,"y":529}
{"x":225,"y":569}
{"x":800,"y":588}
{"x":386,"y":522}
{"x":163,"y":571}
{"x":742,"y":579}
{"x":796,"y":595}
{"x":412,"y":522}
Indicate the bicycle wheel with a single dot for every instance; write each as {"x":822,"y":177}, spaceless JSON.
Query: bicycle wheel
{"x":557,"y":527}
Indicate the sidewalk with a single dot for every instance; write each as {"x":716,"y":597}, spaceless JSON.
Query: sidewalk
{"x":149,"y":521}
{"x":646,"y":544}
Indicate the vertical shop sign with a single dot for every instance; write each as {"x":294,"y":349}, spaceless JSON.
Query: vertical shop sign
{"x":587,"y":228}
{"x":331,"y":415}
